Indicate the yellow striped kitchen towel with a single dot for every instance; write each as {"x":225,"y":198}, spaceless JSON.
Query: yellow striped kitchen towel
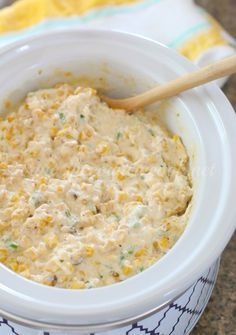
{"x":179,"y":24}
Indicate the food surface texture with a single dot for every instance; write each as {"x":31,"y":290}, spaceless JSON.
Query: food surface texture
{"x":89,"y":196}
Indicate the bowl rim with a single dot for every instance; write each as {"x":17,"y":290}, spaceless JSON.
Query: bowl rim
{"x":99,"y":327}
{"x":182,"y":280}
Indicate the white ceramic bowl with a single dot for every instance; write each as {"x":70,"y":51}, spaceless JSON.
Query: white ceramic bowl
{"x":207,"y":124}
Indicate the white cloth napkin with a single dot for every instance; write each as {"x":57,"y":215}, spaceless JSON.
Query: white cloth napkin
{"x":179,"y":24}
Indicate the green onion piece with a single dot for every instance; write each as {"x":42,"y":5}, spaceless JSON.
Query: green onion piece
{"x":151,"y":132}
{"x":68,"y":213}
{"x":116,"y":216}
{"x":13,"y":245}
{"x":122,"y":257}
{"x":118,"y":135}
{"x":37,"y":199}
{"x":62,"y":116}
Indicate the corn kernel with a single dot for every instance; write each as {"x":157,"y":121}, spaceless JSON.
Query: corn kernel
{"x":51,"y":164}
{"x":89,"y":251}
{"x":151,"y":159}
{"x":51,"y":241}
{"x":151,"y":261}
{"x":113,"y":165}
{"x":3,"y":226}
{"x":9,"y":133}
{"x":138,"y":198}
{"x":14,"y":266}
{"x":53,"y":131}
{"x":26,"y":274}
{"x":85,"y":134}
{"x":66,"y":126}
{"x":115,"y":274}
{"x":22,"y":192}
{"x":68,"y":135}
{"x":16,"y":233}
{"x":82,"y":148}
{"x":67,"y":74}
{"x":138,"y":170}
{"x":34,"y":153}
{"x":140,"y":253}
{"x":10,"y":118}
{"x":25,"y":241}
{"x":13,"y":144}
{"x":26,"y":106}
{"x":164,"y":242}
{"x":159,"y":197}
{"x":40,"y":114}
{"x":126,"y":134}
{"x":3,"y":165}
{"x":22,"y":267}
{"x":137,"y":262}
{"x":127,"y":269}
{"x":64,"y":132}
{"x":77,"y":285}
{"x":155,"y":245}
{"x":59,"y":189}
{"x":82,"y":136}
{"x":177,"y":166}
{"x":17,"y":215}
{"x":42,"y":181}
{"x":122,"y":196}
{"x":88,"y":133}
{"x":175,"y":138}
{"x":69,"y":268}
{"x":164,"y":145}
{"x":45,"y":95}
{"x":7,"y":104}
{"x":120,"y":176}
{"x":130,"y":157}
{"x":120,"y":154}
{"x":82,"y":273}
{"x":167,"y":226}
{"x":47,"y":219}
{"x":93,"y":91}
{"x":55,"y":105}
{"x":3,"y":254}
{"x":42,"y":225}
{"x":14,"y":198}
{"x":83,"y":187}
{"x":31,"y":253}
{"x":102,"y":149}
{"x":79,"y":90}
{"x":48,"y":282}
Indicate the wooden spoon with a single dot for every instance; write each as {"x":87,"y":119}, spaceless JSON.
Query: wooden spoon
{"x":204,"y":75}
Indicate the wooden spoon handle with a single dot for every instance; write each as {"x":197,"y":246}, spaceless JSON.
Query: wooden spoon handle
{"x":190,"y":80}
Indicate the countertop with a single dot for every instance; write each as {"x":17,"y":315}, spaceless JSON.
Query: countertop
{"x":219,"y":317}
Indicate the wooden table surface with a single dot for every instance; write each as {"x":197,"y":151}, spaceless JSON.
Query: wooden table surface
{"x":219,"y":317}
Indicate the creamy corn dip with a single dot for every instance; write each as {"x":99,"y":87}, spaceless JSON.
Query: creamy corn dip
{"x":89,"y":196}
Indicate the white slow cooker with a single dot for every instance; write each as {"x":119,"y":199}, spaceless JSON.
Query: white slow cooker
{"x":176,"y":289}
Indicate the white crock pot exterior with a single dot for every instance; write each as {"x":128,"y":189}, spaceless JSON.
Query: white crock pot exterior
{"x":177,"y":318}
{"x":206,"y":122}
